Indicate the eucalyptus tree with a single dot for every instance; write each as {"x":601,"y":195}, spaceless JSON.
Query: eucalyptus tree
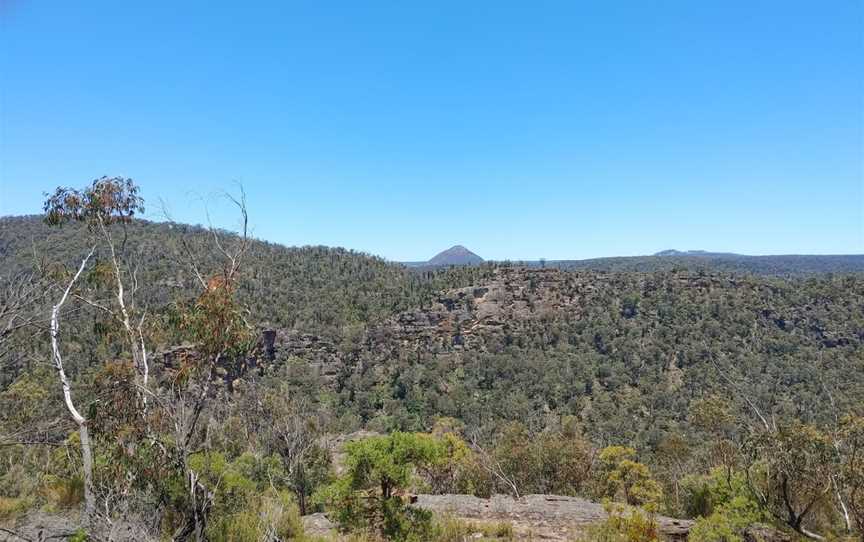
{"x":105,"y":203}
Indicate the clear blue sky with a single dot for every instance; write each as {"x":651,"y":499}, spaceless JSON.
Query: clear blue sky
{"x":519,"y":129}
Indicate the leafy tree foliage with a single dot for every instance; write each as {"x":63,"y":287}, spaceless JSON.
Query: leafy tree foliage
{"x":624,"y":525}
{"x":723,"y":504}
{"x":378,"y":470}
{"x":106,"y":201}
{"x":795,"y":466}
{"x":620,"y":474}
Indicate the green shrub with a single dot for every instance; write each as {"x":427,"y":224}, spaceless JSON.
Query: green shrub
{"x":624,"y":525}
{"x":456,"y":469}
{"x":722,"y":504}
{"x":703,"y":493}
{"x":242,"y":526}
{"x":368,"y":497}
{"x":249,"y":504}
{"x":557,"y":460}
{"x":727,"y":522}
{"x":621,"y":476}
{"x":272,"y":512}
{"x":403,"y":523}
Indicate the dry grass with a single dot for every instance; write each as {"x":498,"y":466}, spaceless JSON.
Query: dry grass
{"x":12,"y":508}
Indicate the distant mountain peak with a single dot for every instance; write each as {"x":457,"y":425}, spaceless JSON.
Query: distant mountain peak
{"x":455,"y":255}
{"x":673,"y":252}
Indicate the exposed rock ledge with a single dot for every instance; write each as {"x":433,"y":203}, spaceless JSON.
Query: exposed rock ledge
{"x":538,"y":517}
{"x":543,"y":517}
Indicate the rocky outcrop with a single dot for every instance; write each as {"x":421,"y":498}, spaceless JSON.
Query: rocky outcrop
{"x":321,"y":354}
{"x":44,"y":526}
{"x":481,"y":316}
{"x":512,"y":304}
{"x":319,"y":526}
{"x":546,"y":517}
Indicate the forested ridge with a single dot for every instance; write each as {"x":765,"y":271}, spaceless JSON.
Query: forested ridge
{"x":727,"y":397}
{"x":627,"y":352}
{"x":311,"y":288}
{"x":791,"y":265}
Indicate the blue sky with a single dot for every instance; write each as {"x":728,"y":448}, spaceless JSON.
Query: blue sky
{"x":519,"y":129}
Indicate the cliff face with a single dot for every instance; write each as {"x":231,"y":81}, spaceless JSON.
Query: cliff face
{"x":519,"y":305}
{"x":485,"y":317}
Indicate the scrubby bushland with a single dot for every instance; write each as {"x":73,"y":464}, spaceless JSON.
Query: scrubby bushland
{"x":732,"y":399}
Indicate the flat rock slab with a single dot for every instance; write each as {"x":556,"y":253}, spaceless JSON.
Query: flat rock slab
{"x":545,"y":516}
{"x":38,"y":525}
{"x":41,"y":526}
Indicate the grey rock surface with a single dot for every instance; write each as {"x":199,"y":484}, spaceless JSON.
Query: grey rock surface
{"x":551,"y":517}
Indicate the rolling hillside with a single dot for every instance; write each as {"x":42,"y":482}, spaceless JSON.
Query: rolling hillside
{"x":507,"y":355}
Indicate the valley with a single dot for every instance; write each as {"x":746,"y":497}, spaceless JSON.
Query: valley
{"x":533,"y":382}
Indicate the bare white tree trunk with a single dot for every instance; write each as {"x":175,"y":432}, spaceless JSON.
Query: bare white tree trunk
{"x":844,"y":510}
{"x":836,"y":443}
{"x":135,"y":336}
{"x":811,"y":535}
{"x":86,"y":450}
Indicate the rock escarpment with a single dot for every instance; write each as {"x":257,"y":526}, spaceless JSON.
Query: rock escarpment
{"x":543,"y":309}
{"x":519,"y":305}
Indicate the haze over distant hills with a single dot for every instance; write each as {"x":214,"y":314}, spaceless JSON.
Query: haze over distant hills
{"x":674,"y":252}
{"x":669,"y":259}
